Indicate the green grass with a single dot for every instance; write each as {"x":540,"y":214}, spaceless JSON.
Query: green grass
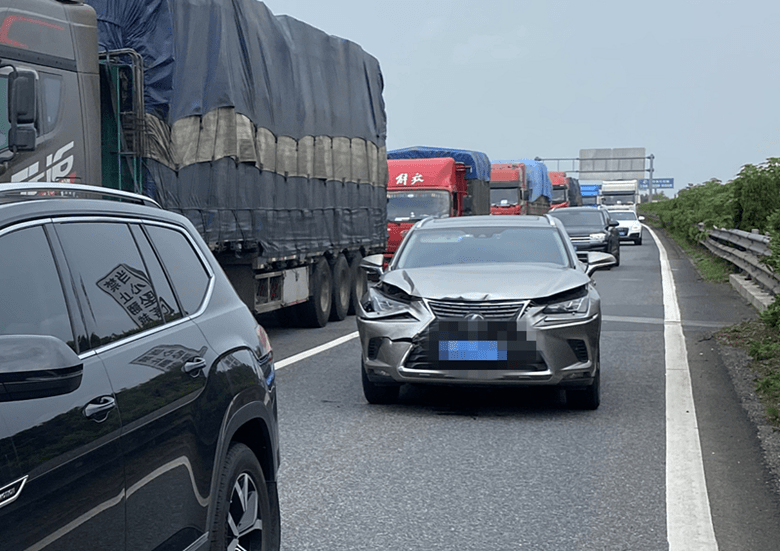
{"x":762,"y":344}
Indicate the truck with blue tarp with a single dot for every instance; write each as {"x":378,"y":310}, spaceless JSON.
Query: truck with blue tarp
{"x":267,"y":133}
{"x":530,"y":178}
{"x":432,"y":181}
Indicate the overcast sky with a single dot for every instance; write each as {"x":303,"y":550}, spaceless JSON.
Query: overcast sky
{"x":696,"y":83}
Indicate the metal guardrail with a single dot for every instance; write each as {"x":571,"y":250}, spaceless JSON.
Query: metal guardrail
{"x":745,"y":250}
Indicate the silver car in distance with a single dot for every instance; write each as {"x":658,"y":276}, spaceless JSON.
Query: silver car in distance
{"x":483,"y":300}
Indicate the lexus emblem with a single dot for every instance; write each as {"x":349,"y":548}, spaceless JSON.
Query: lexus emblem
{"x":474,"y":317}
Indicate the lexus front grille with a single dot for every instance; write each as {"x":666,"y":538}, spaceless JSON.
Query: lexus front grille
{"x":488,"y":310}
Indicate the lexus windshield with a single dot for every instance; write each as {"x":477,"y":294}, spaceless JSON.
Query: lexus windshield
{"x":437,"y":247}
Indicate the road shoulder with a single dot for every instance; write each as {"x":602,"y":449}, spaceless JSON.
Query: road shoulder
{"x":742,"y":486}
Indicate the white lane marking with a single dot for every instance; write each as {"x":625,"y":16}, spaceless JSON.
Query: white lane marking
{"x":659,"y":321}
{"x":688,"y":518}
{"x":313,"y":351}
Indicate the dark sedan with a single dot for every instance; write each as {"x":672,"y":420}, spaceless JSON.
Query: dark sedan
{"x":591,"y":229}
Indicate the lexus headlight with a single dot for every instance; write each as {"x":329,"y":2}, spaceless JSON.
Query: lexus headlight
{"x":572,"y":306}
{"x":389,"y":300}
{"x":576,"y":301}
{"x":598,"y":236}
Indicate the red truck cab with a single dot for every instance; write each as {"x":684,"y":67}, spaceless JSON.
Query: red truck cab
{"x":419,"y":188}
{"x":508,"y":188}
{"x":560,"y":185}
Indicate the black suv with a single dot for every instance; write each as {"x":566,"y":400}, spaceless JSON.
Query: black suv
{"x":590,"y":229}
{"x":137,"y":394}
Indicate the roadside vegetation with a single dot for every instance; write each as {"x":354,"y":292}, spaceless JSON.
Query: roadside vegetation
{"x":750,"y":201}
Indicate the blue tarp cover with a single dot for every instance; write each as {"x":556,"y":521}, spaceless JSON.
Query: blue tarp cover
{"x":476,"y":160}
{"x":283,"y":74}
{"x":286,"y":77}
{"x":538,"y":180}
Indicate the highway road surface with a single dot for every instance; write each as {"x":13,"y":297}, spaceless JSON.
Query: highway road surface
{"x":669,"y":461}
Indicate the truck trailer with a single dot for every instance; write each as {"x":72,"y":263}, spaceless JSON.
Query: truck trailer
{"x":433,"y":182}
{"x":267,"y":133}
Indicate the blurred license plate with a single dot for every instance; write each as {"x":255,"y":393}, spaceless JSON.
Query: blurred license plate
{"x":471,"y":351}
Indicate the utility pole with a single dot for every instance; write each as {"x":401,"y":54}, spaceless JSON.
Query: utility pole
{"x":650,"y":183}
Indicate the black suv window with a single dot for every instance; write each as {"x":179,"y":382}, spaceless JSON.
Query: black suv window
{"x":108,"y":269}
{"x":30,"y":290}
{"x":170,"y":309}
{"x":189,"y":277}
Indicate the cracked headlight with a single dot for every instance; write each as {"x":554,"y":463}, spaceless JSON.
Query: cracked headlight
{"x":389,"y":300}
{"x":573,"y":306}
{"x":598,"y":236}
{"x":576,"y":301}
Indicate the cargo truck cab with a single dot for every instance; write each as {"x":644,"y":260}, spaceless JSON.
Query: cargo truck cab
{"x":508,"y":192}
{"x":560,"y":191}
{"x":423,"y":188}
{"x":433,"y":182}
{"x":48,"y":84}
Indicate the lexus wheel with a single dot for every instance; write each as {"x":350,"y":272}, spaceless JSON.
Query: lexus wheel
{"x":378,"y":393}
{"x":588,"y":397}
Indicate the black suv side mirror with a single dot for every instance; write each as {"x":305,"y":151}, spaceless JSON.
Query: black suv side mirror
{"x":22,"y":110}
{"x":37,"y":366}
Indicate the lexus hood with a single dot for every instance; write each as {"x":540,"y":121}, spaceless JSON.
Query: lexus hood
{"x":500,"y":281}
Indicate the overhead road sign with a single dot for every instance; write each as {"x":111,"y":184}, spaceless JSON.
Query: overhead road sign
{"x":658,"y":183}
{"x":626,"y":163}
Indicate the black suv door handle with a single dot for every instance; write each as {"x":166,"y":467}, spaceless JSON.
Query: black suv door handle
{"x":194,"y":365}
{"x":98,"y":409}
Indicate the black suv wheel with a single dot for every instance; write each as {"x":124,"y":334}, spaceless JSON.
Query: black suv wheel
{"x":243,"y":518}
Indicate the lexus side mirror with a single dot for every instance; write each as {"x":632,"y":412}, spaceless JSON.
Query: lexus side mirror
{"x":372,"y":266}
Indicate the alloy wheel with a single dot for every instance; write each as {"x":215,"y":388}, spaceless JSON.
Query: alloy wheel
{"x":244,"y":527}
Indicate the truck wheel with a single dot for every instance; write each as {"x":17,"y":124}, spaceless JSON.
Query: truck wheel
{"x":243,"y":517}
{"x":316,"y":311}
{"x":342,"y":288}
{"x":359,"y":284}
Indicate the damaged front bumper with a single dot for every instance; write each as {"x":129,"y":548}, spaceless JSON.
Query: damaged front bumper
{"x":410,"y":344}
